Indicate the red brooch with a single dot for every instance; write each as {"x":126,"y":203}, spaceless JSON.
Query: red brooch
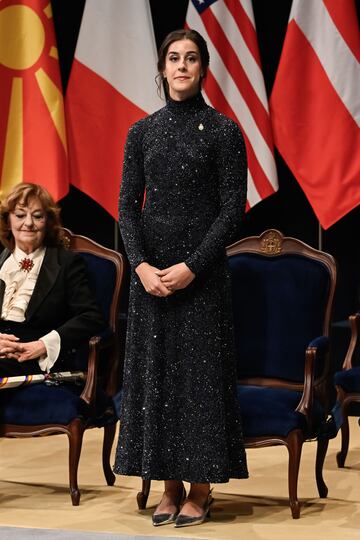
{"x":26,"y":264}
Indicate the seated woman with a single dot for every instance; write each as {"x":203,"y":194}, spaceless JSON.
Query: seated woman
{"x":46,"y":306}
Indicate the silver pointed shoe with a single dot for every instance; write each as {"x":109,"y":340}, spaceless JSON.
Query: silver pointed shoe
{"x":165,"y":519}
{"x":187,"y":521}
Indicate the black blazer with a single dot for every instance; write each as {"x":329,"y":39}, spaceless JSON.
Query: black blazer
{"x":61,"y":301}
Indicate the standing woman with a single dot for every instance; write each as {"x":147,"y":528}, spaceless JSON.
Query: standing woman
{"x":182,"y":200}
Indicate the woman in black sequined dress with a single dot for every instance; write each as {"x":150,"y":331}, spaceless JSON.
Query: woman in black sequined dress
{"x":180,"y":419}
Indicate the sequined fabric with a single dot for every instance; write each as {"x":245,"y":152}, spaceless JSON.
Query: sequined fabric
{"x":180,"y":418}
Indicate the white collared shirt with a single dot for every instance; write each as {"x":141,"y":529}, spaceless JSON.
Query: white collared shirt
{"x":19,"y":287}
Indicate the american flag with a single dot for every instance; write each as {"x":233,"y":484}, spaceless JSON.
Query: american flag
{"x":234,"y":84}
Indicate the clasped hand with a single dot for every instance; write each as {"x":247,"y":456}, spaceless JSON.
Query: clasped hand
{"x":164,"y":282}
{"x":12,"y":347}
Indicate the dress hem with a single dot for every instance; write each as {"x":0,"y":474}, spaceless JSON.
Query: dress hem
{"x":197,"y":480}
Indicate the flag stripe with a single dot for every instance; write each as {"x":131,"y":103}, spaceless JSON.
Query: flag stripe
{"x":235,"y":86}
{"x":124,"y":62}
{"x":347,"y":23}
{"x":111,"y":86}
{"x":245,"y":5}
{"x":245,"y":119}
{"x":96,"y":140}
{"x":237,"y":61}
{"x":245,"y":22}
{"x":253,"y":196}
{"x":345,"y":74}
{"x":233,"y":67}
{"x":328,"y":165}
{"x":263,"y":187}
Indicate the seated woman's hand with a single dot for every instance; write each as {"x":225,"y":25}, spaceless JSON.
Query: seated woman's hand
{"x":151,"y":281}
{"x":31,"y":350}
{"x":9,"y":345}
{"x":176,"y":277}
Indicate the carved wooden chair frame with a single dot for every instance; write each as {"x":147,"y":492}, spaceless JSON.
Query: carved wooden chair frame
{"x":76,"y":428}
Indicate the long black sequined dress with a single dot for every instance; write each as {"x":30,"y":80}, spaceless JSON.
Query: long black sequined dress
{"x":180,"y":418}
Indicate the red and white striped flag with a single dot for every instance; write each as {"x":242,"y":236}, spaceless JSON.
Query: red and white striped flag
{"x":234,"y":84}
{"x":315,"y":105}
{"x":111,"y":86}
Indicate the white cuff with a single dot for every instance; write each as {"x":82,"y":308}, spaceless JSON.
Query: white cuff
{"x":52,"y":342}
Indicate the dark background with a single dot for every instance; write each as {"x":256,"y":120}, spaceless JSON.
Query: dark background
{"x":288,"y":210}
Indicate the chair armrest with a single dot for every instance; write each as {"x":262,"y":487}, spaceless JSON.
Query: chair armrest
{"x":354,"y":321}
{"x":321,"y":343}
{"x":89,"y":391}
{"x":316,"y":349}
{"x":96,"y":344}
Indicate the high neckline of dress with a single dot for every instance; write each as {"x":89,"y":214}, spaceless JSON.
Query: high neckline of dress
{"x":190,"y":104}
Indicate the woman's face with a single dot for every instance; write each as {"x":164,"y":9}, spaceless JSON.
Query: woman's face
{"x":28,"y":225}
{"x":183,"y":69}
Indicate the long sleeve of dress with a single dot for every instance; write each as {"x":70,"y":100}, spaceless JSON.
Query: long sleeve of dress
{"x":131,"y":198}
{"x":231,"y":166}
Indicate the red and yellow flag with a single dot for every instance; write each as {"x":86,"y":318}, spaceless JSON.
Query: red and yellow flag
{"x":32,"y":126}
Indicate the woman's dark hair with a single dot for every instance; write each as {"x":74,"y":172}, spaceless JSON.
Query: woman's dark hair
{"x":20,"y":195}
{"x":178,"y":35}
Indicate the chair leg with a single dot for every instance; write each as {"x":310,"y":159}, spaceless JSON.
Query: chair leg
{"x":341,"y":456}
{"x":109,"y":435}
{"x":143,"y":495}
{"x":322,"y":446}
{"x":294,"y":445}
{"x":75,"y":437}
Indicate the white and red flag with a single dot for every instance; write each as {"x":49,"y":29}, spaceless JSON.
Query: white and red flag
{"x":32,"y":129}
{"x":235,"y":85}
{"x":111,"y":86}
{"x":315,"y":105}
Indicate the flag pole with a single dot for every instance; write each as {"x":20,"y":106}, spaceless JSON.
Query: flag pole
{"x":116,"y":235}
{"x":320,"y":237}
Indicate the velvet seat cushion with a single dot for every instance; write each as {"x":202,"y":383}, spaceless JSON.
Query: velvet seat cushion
{"x":349,"y":380}
{"x":271,"y":411}
{"x":40,"y":404}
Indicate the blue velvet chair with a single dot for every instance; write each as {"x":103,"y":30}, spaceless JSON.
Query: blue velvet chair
{"x":282,"y":292}
{"x":71,"y":408}
{"x":347,"y":383}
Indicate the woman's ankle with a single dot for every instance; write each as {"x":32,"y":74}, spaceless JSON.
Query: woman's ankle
{"x":173,"y":487}
{"x":199,"y":490}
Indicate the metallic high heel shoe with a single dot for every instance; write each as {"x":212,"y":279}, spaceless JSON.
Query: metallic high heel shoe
{"x":186,"y":521}
{"x":165,"y":519}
